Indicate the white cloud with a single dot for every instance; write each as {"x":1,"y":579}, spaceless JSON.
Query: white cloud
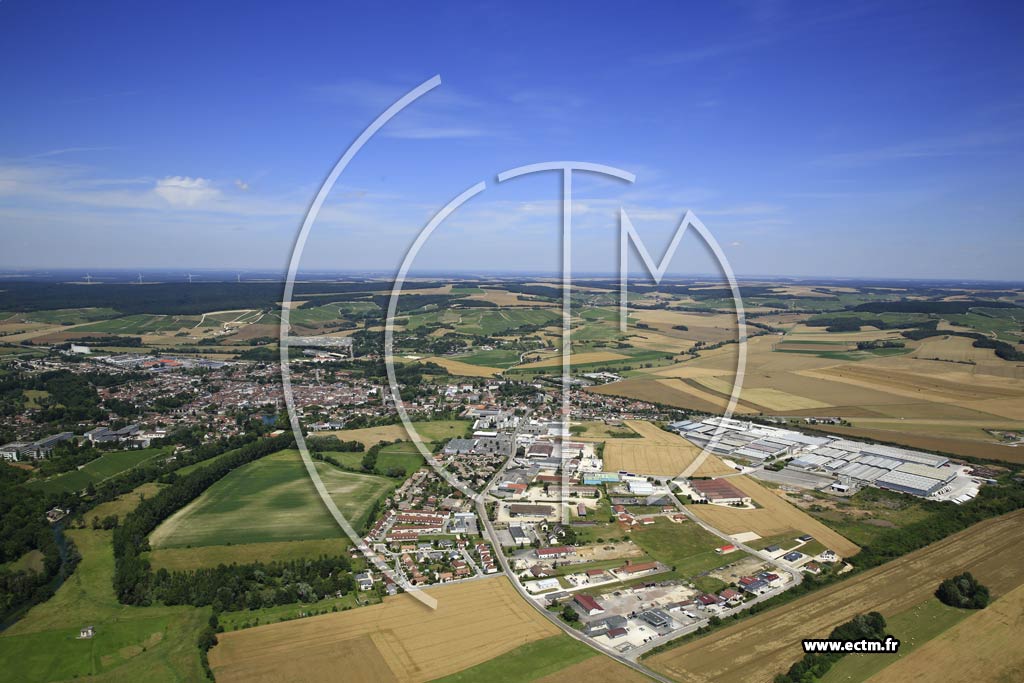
{"x":185,"y":191}
{"x":242,"y":185}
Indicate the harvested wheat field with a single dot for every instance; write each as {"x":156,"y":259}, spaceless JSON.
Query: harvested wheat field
{"x":956,"y":349}
{"x":984,"y":646}
{"x":656,"y":452}
{"x":632,"y":455}
{"x":761,"y":646}
{"x":504,"y":298}
{"x":457,"y":367}
{"x":668,"y":391}
{"x":774,"y":516}
{"x":597,"y":669}
{"x":398,"y":640}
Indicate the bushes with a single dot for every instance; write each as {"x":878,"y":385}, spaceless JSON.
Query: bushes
{"x":963,"y":591}
{"x":946,"y":519}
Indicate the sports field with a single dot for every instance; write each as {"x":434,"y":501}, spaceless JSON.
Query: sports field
{"x":773,"y":516}
{"x":760,"y":646}
{"x":398,"y":640}
{"x":269,"y":500}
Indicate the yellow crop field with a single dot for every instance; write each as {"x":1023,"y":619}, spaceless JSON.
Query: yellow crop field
{"x":503,"y":299}
{"x":984,"y":646}
{"x":660,"y":459}
{"x":771,"y":399}
{"x":397,"y":640}
{"x":598,"y":669}
{"x":775,"y":516}
{"x":958,"y":349}
{"x":657,"y":452}
{"x":457,"y":367}
{"x":761,"y":646}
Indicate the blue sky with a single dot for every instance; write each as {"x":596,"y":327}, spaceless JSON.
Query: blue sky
{"x":813,"y":139}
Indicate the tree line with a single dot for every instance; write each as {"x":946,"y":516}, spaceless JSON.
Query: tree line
{"x":132,"y":576}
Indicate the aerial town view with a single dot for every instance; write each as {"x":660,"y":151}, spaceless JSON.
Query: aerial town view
{"x":319,"y":362}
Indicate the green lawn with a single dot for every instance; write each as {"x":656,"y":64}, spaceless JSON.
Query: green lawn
{"x":686,"y":546}
{"x":103,"y":467}
{"x":913,"y":628}
{"x":271,"y":499}
{"x":131,"y":643}
{"x":526,"y":663}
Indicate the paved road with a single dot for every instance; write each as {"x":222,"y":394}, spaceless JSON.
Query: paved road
{"x":629,"y":658}
{"x":553,"y":618}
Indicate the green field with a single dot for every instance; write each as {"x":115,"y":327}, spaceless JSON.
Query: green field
{"x":526,"y":663}
{"x":233,"y":621}
{"x":141,"y":323}
{"x":70,"y":316}
{"x":496,"y":358}
{"x":403,"y":455}
{"x":487,"y":321}
{"x":33,"y":396}
{"x":913,"y":628}
{"x":686,"y":546}
{"x":869,"y":513}
{"x":103,"y":467}
{"x":32,"y":560}
{"x":130,"y":643}
{"x":271,"y":499}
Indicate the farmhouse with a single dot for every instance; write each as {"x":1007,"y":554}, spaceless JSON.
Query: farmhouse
{"x":555,"y":552}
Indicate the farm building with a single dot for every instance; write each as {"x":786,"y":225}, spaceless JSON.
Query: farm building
{"x":588,"y":604}
{"x":719,"y":491}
